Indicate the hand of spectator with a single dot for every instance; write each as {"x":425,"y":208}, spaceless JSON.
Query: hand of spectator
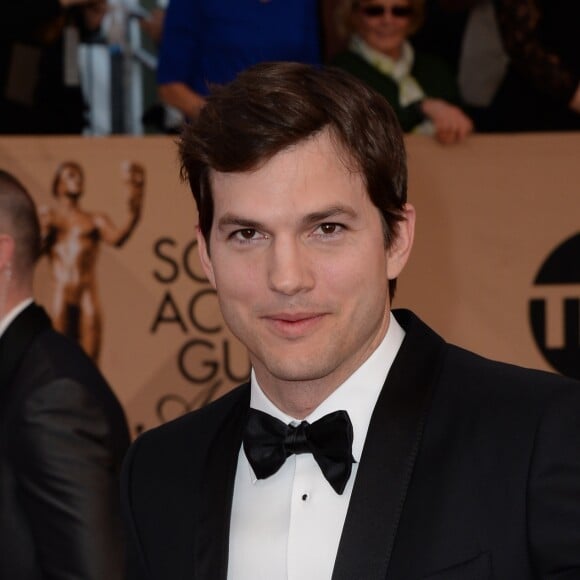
{"x":575,"y":102}
{"x":452,"y":125}
{"x":180,"y":96}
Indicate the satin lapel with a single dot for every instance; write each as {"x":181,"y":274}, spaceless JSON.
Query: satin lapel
{"x":17,"y":338}
{"x":389,"y":455}
{"x":212,"y":543}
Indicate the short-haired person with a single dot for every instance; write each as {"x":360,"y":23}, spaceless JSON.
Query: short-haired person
{"x":63,"y":434}
{"x":420,"y":87}
{"x":364,"y":446}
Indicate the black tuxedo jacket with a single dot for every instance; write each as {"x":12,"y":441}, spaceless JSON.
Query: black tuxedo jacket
{"x":63,"y":436}
{"x":470,"y":470}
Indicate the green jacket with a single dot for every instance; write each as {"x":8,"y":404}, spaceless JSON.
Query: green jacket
{"x":432,"y":74}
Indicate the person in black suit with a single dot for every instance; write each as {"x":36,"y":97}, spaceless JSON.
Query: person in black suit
{"x":63,"y":432}
{"x":364,"y":446}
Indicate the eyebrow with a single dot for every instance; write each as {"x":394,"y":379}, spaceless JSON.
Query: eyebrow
{"x":331,"y":212}
{"x":229,"y":219}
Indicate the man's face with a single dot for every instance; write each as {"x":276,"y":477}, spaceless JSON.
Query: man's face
{"x":300,"y":266}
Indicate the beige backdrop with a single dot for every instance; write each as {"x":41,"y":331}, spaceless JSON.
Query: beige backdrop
{"x":490,"y":212}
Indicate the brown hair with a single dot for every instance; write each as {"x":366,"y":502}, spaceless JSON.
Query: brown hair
{"x":273,"y":106}
{"x":18,"y":219}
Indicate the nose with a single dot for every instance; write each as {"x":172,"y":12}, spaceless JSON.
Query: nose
{"x":289,"y":269}
{"x":387,"y":15}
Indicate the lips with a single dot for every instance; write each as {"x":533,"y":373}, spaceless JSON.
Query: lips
{"x":293,"y":325}
{"x":293,"y":316}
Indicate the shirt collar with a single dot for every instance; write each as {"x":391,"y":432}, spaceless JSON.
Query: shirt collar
{"x":357,"y":395}
{"x":12,"y":314}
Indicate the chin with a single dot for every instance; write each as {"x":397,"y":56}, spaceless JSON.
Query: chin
{"x":298,"y":371}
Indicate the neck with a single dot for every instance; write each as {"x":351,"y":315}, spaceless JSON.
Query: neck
{"x":395,"y":54}
{"x":13,"y":296}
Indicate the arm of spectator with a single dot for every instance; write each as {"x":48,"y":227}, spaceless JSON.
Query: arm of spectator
{"x":452,"y":125}
{"x":180,"y":96}
{"x":518,"y":22}
{"x":180,"y":76}
{"x":69,"y":483}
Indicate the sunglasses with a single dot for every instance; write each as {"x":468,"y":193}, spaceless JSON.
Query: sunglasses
{"x":373,"y":10}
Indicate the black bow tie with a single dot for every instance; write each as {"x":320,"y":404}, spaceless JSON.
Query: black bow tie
{"x":268,"y":442}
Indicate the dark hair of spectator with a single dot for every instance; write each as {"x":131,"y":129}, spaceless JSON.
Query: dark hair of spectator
{"x":19,"y":219}
{"x":273,"y":106}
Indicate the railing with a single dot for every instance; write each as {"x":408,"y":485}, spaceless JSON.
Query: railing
{"x":113,"y":70}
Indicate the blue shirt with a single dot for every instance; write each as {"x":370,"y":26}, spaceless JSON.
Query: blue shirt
{"x":210,"y":41}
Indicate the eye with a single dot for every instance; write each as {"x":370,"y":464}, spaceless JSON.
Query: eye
{"x":329,"y":229}
{"x":245,"y":234}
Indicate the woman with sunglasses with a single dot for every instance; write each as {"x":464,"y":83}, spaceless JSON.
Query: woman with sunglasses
{"x":421,"y":89}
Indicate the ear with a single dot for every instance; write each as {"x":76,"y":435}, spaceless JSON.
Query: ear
{"x":204,"y":258}
{"x":6,"y":251}
{"x":400,"y":248}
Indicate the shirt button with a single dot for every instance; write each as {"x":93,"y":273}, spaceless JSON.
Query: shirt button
{"x":304,"y":496}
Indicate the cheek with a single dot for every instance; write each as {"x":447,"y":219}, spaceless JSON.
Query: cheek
{"x":238,"y":283}
{"x":365,"y":29}
{"x":354,"y":278}
{"x":372,"y":30}
{"x":402,"y":27}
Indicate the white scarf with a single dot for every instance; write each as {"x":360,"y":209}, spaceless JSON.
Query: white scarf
{"x":399,"y":70}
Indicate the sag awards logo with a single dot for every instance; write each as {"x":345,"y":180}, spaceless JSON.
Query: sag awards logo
{"x":555,"y":308}
{"x":207,"y":358}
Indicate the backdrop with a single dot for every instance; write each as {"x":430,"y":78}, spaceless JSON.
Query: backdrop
{"x":495,"y":267}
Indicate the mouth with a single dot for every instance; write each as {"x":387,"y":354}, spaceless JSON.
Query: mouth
{"x":294,"y":325}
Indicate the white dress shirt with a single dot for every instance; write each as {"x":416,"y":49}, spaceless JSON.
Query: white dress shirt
{"x":288,"y":526}
{"x":14,"y":312}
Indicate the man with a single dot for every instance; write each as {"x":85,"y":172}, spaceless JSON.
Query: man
{"x":71,"y":239}
{"x":460,"y":467}
{"x":63,"y":432}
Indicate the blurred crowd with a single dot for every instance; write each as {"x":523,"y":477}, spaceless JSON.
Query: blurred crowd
{"x":448,"y":67}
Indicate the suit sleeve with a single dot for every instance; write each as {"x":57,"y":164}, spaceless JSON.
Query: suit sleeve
{"x":68,"y":478}
{"x":554,"y":490}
